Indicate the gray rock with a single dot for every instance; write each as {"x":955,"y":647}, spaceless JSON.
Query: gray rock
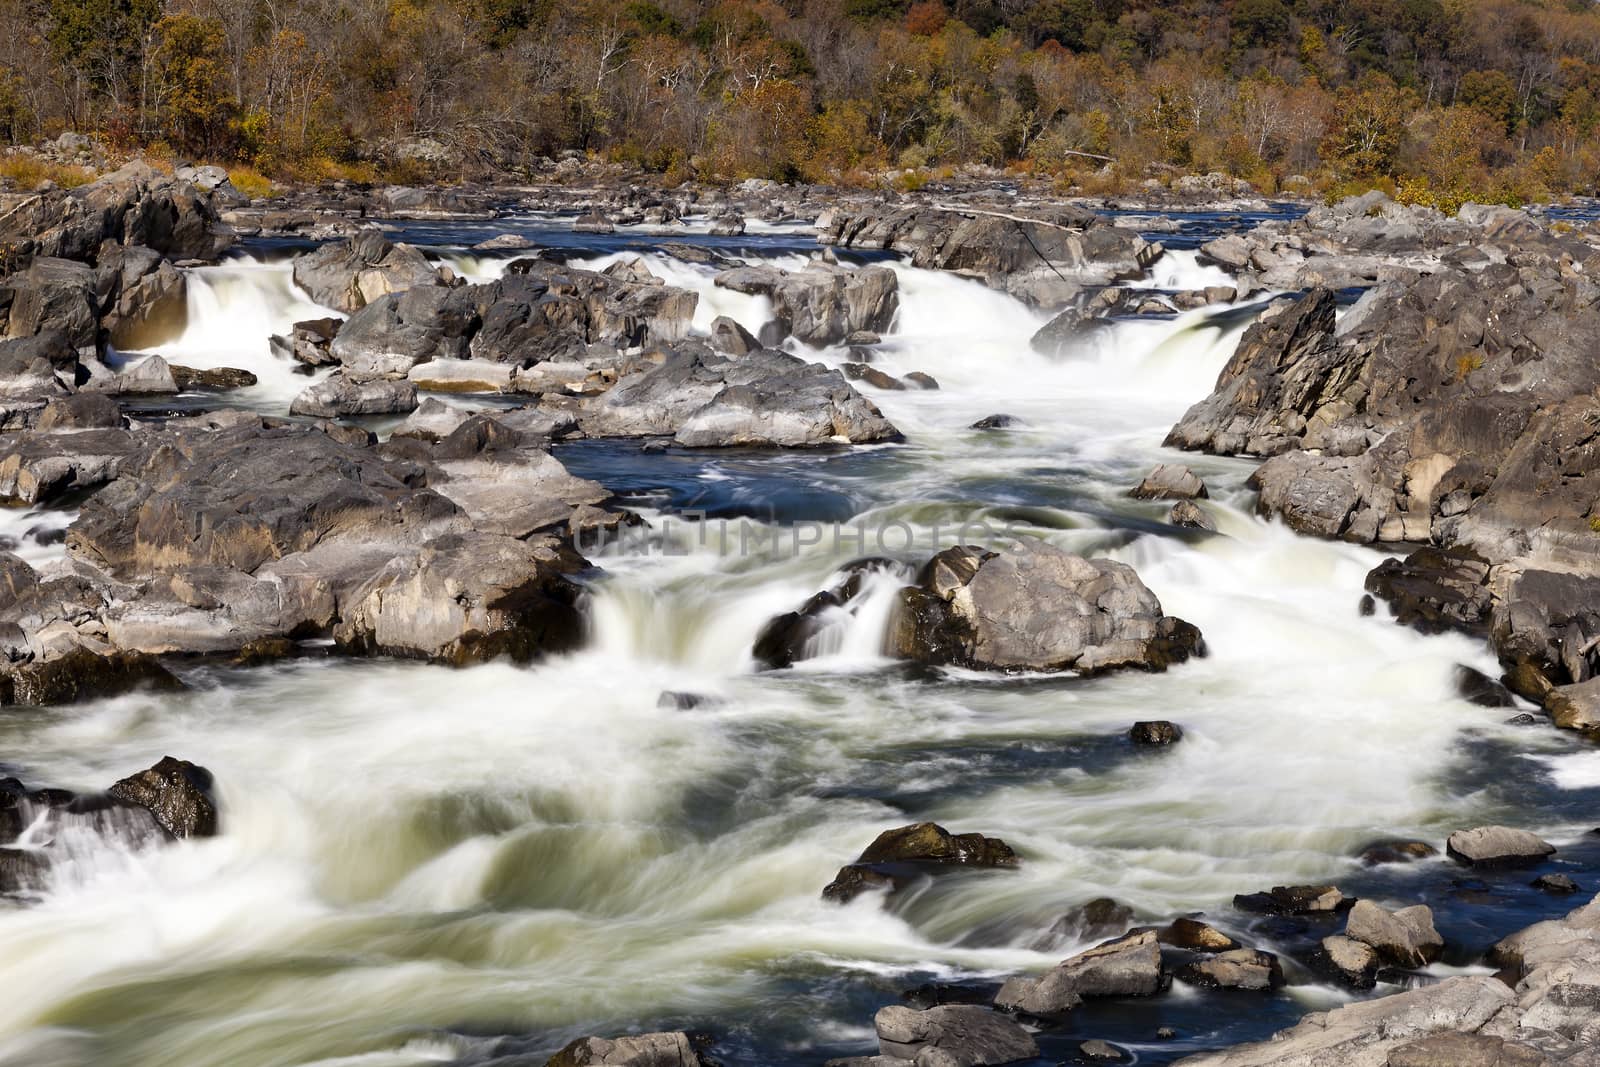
{"x":728,"y":336}
{"x":1352,"y":962}
{"x":1128,"y":967}
{"x":348,"y":275}
{"x":1191,"y":516}
{"x":1497,"y":847}
{"x":338,"y":395}
{"x":1036,"y":608}
{"x":1168,"y":482}
{"x":1243,"y":968}
{"x":822,"y":305}
{"x":952,"y":1035}
{"x":177,"y":793}
{"x":1405,"y":938}
{"x":902,"y":855}
{"x":644,"y":1050}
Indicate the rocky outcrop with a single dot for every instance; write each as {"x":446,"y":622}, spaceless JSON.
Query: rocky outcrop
{"x":823,"y":304}
{"x":1552,"y":1015}
{"x":1036,"y":608}
{"x":1046,"y":257}
{"x":900,"y":856}
{"x":1127,"y":967}
{"x":348,"y":275}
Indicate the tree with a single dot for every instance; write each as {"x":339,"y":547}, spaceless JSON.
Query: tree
{"x":191,"y":95}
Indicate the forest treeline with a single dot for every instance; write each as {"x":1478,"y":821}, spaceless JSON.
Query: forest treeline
{"x":1443,"y":98}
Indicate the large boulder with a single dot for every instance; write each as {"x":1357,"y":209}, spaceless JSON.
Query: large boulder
{"x":53,"y":296}
{"x":1127,"y":967}
{"x":823,"y":304}
{"x":348,"y":275}
{"x":177,"y":793}
{"x":339,"y":395}
{"x":908,"y":853}
{"x":1405,"y":938}
{"x":1497,"y":847}
{"x":145,"y":298}
{"x":1039,"y":608}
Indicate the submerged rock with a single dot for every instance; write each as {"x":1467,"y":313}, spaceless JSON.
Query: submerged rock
{"x":1158,"y":732}
{"x":1038,"y":608}
{"x":793,"y":636}
{"x":899,"y":856}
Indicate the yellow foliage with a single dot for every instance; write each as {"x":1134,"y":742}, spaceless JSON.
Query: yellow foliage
{"x":29,"y":172}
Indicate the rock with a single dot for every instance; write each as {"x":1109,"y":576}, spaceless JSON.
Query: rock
{"x":85,"y":411}
{"x":1497,"y":847}
{"x":348,"y":275}
{"x":1191,"y":516}
{"x":150,"y":376}
{"x":395,"y":332}
{"x":996,"y":422}
{"x":645,"y":1050}
{"x":463,"y":376}
{"x":823,"y":304}
{"x":1159,"y":732}
{"x":1168,"y":482}
{"x":53,"y":296}
{"x":952,"y":1035}
{"x":135,"y":205}
{"x":921,"y":381}
{"x":861,"y":372}
{"x":145,"y":301}
{"x":1380,"y":852}
{"x":40,"y":467}
{"x":1097,"y":1051}
{"x":433,"y":420}
{"x":1195,"y":936}
{"x":730,"y":225}
{"x":1243,"y":968}
{"x":1466,"y":1050}
{"x":505,"y":242}
{"x":1045,"y":258}
{"x":897,"y":857}
{"x":310,"y":342}
{"x":1294,"y":900}
{"x":762,"y":399}
{"x":1128,"y":967}
{"x":211,"y":378}
{"x":593,"y":222}
{"x":81,"y":674}
{"x":1351,"y":962}
{"x":1478,"y":688}
{"x":176,"y":792}
{"x":793,"y":636}
{"x":1035,"y":608}
{"x":1095,"y":920}
{"x":1558,"y":884}
{"x":1576,"y":707}
{"x":1072,"y":332}
{"x":338,"y":395}
{"x":728,"y":336}
{"x":1436,"y":590}
{"x":1405,"y":938}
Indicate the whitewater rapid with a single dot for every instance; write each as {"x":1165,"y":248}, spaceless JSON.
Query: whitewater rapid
{"x":417,"y":862}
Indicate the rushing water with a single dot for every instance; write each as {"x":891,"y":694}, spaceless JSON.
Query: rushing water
{"x":421,"y":865}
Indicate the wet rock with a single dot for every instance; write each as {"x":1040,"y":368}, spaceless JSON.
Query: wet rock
{"x":1097,"y":1051}
{"x":1168,"y":482}
{"x":1350,"y":961}
{"x":1380,"y":852}
{"x":1159,"y":732}
{"x":1128,"y":967}
{"x":211,"y":378}
{"x":1095,"y":920}
{"x":1036,"y":608}
{"x":1244,"y":968}
{"x":1294,"y":900}
{"x":644,"y":1050}
{"x":996,"y":422}
{"x":1191,"y":516}
{"x":1478,"y":688}
{"x":53,"y":295}
{"x":952,"y":1035}
{"x":146,"y":301}
{"x":395,"y":332}
{"x":151,"y":376}
{"x":861,"y":372}
{"x":504,"y":242}
{"x":1405,"y":938}
{"x":683,"y":701}
{"x":793,"y":636}
{"x":177,"y":793}
{"x":81,"y":674}
{"x":897,"y":857}
{"x":338,"y":395}
{"x":1436,"y":590}
{"x":920,"y":380}
{"x":1195,"y":936}
{"x":1576,"y":707}
{"x":310,"y":342}
{"x":1070,"y":332}
{"x":823,"y":304}
{"x":1558,"y":884}
{"x":1497,"y":847}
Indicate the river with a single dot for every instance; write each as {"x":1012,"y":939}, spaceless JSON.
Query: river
{"x":422,"y":865}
